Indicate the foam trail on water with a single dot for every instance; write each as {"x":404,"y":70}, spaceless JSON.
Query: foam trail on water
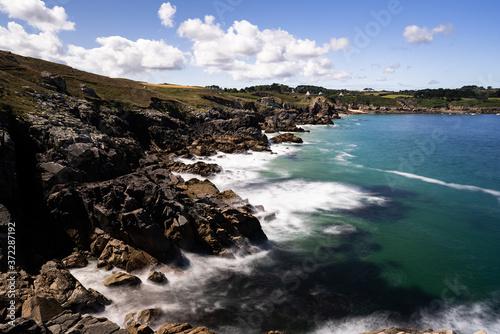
{"x":446,"y":184}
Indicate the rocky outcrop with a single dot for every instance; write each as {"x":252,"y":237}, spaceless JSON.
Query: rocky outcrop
{"x":185,"y":328}
{"x":286,"y":138}
{"x":145,"y":317}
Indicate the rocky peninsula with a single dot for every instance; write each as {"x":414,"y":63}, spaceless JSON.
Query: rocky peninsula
{"x":89,"y":172}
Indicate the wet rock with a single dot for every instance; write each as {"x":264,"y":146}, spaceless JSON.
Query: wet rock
{"x":185,"y":328}
{"x":146,"y":317}
{"x":24,"y":326}
{"x":137,"y":328}
{"x":90,"y":325}
{"x":123,"y":256}
{"x":58,"y":283}
{"x":102,"y":299}
{"x":41,"y":308}
{"x":119,"y":279}
{"x":197,"y":188}
{"x":76,"y":260}
{"x":157,"y":277}
{"x":286,"y":138}
{"x":200,"y":167}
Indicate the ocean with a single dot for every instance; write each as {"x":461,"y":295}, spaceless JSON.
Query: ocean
{"x":376,"y":221}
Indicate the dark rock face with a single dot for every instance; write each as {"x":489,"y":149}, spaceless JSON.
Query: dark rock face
{"x":157,"y":277}
{"x":53,"y":82}
{"x":286,"y":138}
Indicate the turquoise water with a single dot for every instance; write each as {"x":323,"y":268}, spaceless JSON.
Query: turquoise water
{"x":377,"y":221}
{"x":396,"y":218}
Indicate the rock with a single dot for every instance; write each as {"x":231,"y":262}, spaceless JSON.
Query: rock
{"x":270,"y":102}
{"x":64,"y":321}
{"x":58,"y":283}
{"x":286,"y":138}
{"x":76,"y":260}
{"x":230,"y":198}
{"x":173,"y":328}
{"x":89,"y":91}
{"x":102,"y":299}
{"x":53,"y":82}
{"x":41,"y":308}
{"x":482,"y":331}
{"x":144,"y":317}
{"x":157,"y":277}
{"x":91,"y":325}
{"x":123,"y":256}
{"x":197,"y":188}
{"x":200,"y":167}
{"x":137,"y":328}
{"x":119,"y":279}
{"x":24,"y":326}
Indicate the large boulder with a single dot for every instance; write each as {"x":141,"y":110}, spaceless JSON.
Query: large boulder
{"x":76,"y":260}
{"x":120,"y":279}
{"x":41,"y":309}
{"x":146,"y":317}
{"x":58,"y":283}
{"x":286,"y":138}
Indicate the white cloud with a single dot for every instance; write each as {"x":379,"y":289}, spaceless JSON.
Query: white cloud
{"x":381,"y":79}
{"x":340,"y":44}
{"x":392,"y":69}
{"x":322,"y":69}
{"x":418,"y":35}
{"x":166,"y":14}
{"x":45,"y":44}
{"x":120,"y":57}
{"x":433,"y":82}
{"x":246,"y":53}
{"x":37,"y":14}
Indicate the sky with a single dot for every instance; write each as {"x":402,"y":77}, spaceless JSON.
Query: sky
{"x":357,"y":44}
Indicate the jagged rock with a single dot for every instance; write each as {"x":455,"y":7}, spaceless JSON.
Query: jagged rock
{"x":182,"y":328}
{"x":197,"y":188}
{"x":146,"y":317}
{"x":123,"y":256}
{"x":137,"y":328}
{"x":24,"y":326}
{"x":102,"y":299}
{"x":122,"y":279}
{"x":270,"y":102}
{"x":23,"y":290}
{"x":64,"y":321}
{"x":482,"y":331}
{"x":231,"y":198}
{"x":76,"y":260}
{"x":90,"y":325}
{"x":200,"y":167}
{"x":53,"y":82}
{"x":89,"y":91}
{"x":157,"y":277}
{"x":41,"y":308}
{"x":286,"y":138}
{"x":56,"y":282}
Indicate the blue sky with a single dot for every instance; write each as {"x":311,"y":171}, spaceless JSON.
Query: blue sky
{"x":389,"y":44}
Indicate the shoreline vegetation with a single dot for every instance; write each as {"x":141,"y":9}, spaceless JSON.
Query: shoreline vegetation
{"x":88,"y":168}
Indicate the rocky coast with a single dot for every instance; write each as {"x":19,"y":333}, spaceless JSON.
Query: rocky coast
{"x":86,"y":176}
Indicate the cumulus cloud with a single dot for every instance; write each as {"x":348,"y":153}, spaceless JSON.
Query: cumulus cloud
{"x":322,"y":69}
{"x":338,"y":44}
{"x":392,"y":69}
{"x":37,"y":14}
{"x":381,"y":79}
{"x":120,"y":57}
{"x":433,"y":82}
{"x":247,"y":53}
{"x":45,"y":44}
{"x":166,"y":14}
{"x":419,"y":35}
